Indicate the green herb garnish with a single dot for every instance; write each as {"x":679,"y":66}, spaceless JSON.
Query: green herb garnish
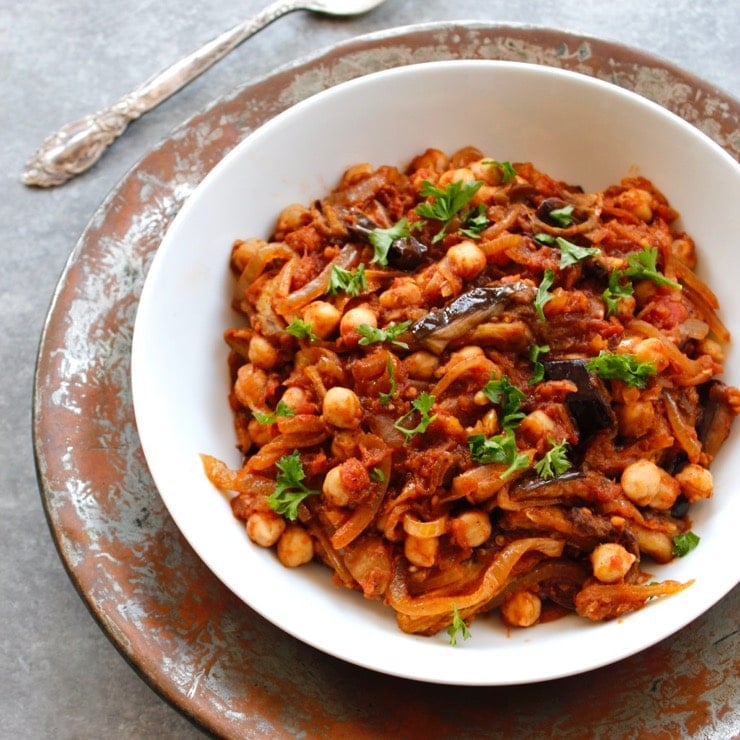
{"x":500,"y":391}
{"x":539,"y":368}
{"x":382,"y":240}
{"x":562,"y":216}
{"x":282,"y":409}
{"x":684,"y":543}
{"x":290,"y":489}
{"x":301,"y":329}
{"x":377,"y":475}
{"x":616,"y":290}
{"x":500,"y":449}
{"x":543,"y":296}
{"x":624,"y":367}
{"x":508,"y":173}
{"x":386,"y":398}
{"x":570,"y":253}
{"x":346,"y":280}
{"x":544,"y":238}
{"x":447,"y":203}
{"x":555,"y":462}
{"x":423,"y":404}
{"x":643,"y":266}
{"x":458,"y":625}
{"x":474,"y":220}
{"x":371,"y":334}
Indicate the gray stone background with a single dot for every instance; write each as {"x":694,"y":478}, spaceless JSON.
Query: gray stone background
{"x":60,"y":59}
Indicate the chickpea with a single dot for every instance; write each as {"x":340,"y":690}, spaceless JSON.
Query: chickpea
{"x":432,"y":159}
{"x":403,"y":293}
{"x":355,"y":317}
{"x":713,"y":349}
{"x":264,"y":528}
{"x":421,"y":365}
{"x":356,"y":173}
{"x":538,"y":426}
{"x":342,"y":408}
{"x":295,"y":546}
{"x":323,"y":317}
{"x":333,"y":490}
{"x":421,"y":551}
{"x":262,"y":353}
{"x":471,"y":529}
{"x":638,"y":202}
{"x":296,"y":399}
{"x":696,"y":482}
{"x":645,"y":484}
{"x":610,"y":562}
{"x":651,"y":350}
{"x":292,"y":217}
{"x":466,"y":259}
{"x":243,"y":251}
{"x":521,"y":609}
{"x":462,"y":174}
{"x":635,"y":419}
{"x":259,"y":434}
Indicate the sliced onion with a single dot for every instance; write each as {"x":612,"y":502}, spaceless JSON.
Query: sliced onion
{"x":424,"y":530}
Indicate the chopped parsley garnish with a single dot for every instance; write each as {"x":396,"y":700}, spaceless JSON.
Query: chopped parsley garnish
{"x":377,"y":475}
{"x":570,"y":253}
{"x":544,"y":238}
{"x":539,"y":368}
{"x":382,"y":240}
{"x":386,"y":398}
{"x":555,"y":462}
{"x":684,"y":543}
{"x":543,"y":296}
{"x":458,"y":625}
{"x":346,"y":280}
{"x":625,"y":367}
{"x":371,"y":334}
{"x":423,"y":404}
{"x":508,"y":173}
{"x":290,"y":489}
{"x":643,"y":266}
{"x":500,"y":391}
{"x":447,"y":203}
{"x":301,"y":329}
{"x":474,"y":220}
{"x":500,"y":449}
{"x":616,"y":290}
{"x":282,"y":409}
{"x":562,"y":216}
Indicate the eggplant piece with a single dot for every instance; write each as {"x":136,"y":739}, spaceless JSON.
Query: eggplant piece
{"x":589,"y":406}
{"x":441,"y":326}
{"x":716,"y":418}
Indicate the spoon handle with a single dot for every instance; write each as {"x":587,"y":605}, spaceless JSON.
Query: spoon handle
{"x":78,"y":145}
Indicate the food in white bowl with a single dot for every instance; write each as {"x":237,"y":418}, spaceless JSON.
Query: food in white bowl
{"x":528,"y":114}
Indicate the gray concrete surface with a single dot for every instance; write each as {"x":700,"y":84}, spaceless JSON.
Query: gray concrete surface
{"x":59,"y":59}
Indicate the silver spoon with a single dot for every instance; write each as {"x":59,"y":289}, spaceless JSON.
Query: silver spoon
{"x":78,"y":145}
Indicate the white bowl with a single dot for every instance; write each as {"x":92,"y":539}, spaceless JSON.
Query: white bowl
{"x":573,"y":127}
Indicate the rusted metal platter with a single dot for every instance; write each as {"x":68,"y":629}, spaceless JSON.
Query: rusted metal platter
{"x":196,"y":644}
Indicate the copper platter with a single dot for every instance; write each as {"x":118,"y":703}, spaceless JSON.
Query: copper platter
{"x":214,"y":659}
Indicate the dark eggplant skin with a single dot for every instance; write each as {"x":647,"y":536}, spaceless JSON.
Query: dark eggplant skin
{"x":405,"y":253}
{"x":440,"y":326}
{"x":589,"y":406}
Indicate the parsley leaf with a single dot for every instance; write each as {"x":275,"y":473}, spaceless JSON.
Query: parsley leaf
{"x":474,"y":220}
{"x":290,"y":489}
{"x":423,"y":404}
{"x":500,"y":449}
{"x":508,"y":396}
{"x":562,"y":216}
{"x":382,"y":240}
{"x":458,"y":625}
{"x":447,"y":203}
{"x":571,"y":253}
{"x":386,"y":398}
{"x":616,"y":290}
{"x":543,"y":296}
{"x":282,"y":409}
{"x":643,"y":266}
{"x":371,"y":334}
{"x":377,"y":475}
{"x":539,"y":368}
{"x":626,"y":368}
{"x":684,"y":543}
{"x":544,"y":238}
{"x":301,"y":329}
{"x":346,"y":280}
{"x":508,"y":173}
{"x":555,"y":462}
